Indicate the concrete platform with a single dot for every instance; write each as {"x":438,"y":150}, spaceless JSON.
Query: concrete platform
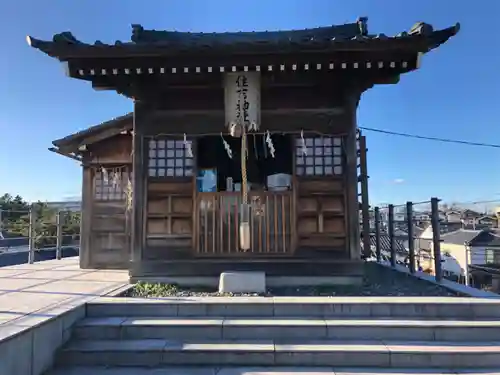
{"x":49,"y":296}
{"x":26,"y":289}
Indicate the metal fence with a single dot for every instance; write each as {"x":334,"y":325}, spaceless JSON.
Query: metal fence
{"x":405,"y":236}
{"x":426,"y":237}
{"x":38,"y":233}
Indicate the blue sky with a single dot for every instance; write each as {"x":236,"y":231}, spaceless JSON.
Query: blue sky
{"x":456,"y":94}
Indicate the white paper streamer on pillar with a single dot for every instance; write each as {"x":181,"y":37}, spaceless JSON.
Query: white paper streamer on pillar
{"x":227,"y":147}
{"x":269,"y":142}
{"x":303,"y":143}
{"x":188,"y":147}
{"x":242,"y":99}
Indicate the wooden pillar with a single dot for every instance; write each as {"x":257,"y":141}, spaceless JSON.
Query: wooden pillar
{"x":138,"y":186}
{"x":86,"y":218}
{"x":365,"y":206}
{"x":351,"y":181}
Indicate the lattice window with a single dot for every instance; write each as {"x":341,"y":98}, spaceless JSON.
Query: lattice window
{"x":110,"y":185}
{"x":491,"y":256}
{"x":324,"y":156}
{"x":169,"y":158}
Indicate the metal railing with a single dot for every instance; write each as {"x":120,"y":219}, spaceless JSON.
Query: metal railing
{"x":441,"y":241}
{"x":405,"y":236}
{"x":38,"y":232}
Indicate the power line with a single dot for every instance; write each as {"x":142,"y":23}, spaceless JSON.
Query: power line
{"x":446,"y":140}
{"x":478,"y":202}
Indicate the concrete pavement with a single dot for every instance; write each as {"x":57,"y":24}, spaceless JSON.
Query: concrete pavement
{"x":50,"y":296}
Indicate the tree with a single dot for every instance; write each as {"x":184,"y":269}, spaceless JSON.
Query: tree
{"x":12,"y":207}
{"x":16,"y":221}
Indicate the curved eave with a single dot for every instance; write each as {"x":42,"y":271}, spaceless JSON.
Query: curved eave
{"x":422,"y":43}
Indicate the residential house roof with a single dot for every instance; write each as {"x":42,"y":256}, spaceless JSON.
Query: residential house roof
{"x":385,"y":243}
{"x":467,"y":213}
{"x":447,"y":227}
{"x":460,"y":236}
{"x":402,"y":230}
{"x":487,"y":217}
{"x":488,"y":237}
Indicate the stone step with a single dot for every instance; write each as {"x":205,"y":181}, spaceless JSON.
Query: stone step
{"x":114,"y":328}
{"x":389,"y":354}
{"x":401,"y":307}
{"x":256,"y":371}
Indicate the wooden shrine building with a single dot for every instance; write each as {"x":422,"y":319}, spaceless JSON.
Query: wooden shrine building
{"x":240,"y":153}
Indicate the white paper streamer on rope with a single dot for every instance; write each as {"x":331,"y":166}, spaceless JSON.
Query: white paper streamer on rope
{"x":188,"y":147}
{"x":128,"y":195}
{"x":115,"y":180}
{"x":303,"y":143}
{"x":270,"y":145}
{"x":105,"y":176}
{"x":227,"y":147}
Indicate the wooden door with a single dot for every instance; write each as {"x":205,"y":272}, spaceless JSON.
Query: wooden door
{"x":110,"y":219}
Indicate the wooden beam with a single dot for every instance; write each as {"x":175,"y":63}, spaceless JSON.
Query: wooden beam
{"x":138,"y":185}
{"x":353,"y":232}
{"x":209,"y":58}
{"x":328,"y":121}
{"x":70,"y":155}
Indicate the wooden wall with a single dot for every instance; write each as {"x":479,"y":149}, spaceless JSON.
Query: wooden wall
{"x":110,"y":234}
{"x":115,"y":150}
{"x":319,"y":207}
{"x":320,"y":191}
{"x":106,"y":214}
{"x":169,"y":219}
{"x":321,"y":214}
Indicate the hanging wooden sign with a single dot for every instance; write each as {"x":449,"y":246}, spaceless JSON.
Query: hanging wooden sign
{"x":242,"y":101}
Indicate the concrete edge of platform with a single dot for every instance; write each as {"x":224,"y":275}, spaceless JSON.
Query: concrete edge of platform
{"x":361,"y":300}
{"x":119,"y":292}
{"x":28,"y":344}
{"x":450,"y":285}
{"x":271,"y":281}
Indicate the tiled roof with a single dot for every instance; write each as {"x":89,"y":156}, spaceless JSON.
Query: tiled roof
{"x":385,"y":243}
{"x":120,"y":123}
{"x":402,"y":230}
{"x":338,"y":37}
{"x":445,"y":227}
{"x":460,"y":236}
{"x":485,"y":238}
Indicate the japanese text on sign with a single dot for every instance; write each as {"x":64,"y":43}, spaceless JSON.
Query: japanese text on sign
{"x":242,"y":99}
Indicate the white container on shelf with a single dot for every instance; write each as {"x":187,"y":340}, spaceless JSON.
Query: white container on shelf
{"x":279,"y":182}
